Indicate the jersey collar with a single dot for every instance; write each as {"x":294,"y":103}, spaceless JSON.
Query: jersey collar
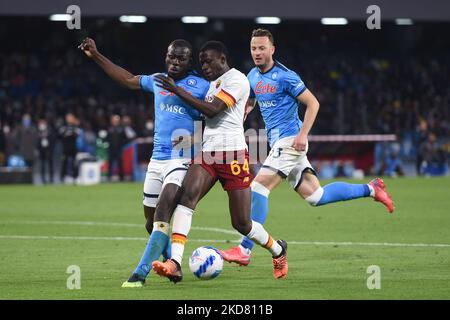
{"x":275,"y":62}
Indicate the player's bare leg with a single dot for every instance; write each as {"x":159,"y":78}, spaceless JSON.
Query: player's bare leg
{"x":266,"y":180}
{"x":310,"y":183}
{"x":239,"y":202}
{"x":165,"y":207}
{"x":157,"y":220}
{"x":149,"y":214}
{"x":196,"y":184}
{"x":269,"y":178}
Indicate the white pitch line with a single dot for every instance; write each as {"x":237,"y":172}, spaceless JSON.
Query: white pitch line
{"x":379,"y":244}
{"x":110,"y":224}
{"x":34,"y":237}
{"x":31,"y":237}
{"x":219,"y":230}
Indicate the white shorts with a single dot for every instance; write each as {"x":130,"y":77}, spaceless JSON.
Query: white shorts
{"x":159,"y":173}
{"x":288,"y":162}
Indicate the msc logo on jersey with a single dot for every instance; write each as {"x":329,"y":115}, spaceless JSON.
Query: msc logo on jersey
{"x":262,"y":88}
{"x":172,"y":108}
{"x":191,"y":82}
{"x":267,"y":103}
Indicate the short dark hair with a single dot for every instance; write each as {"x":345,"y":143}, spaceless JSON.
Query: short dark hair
{"x":181,"y":43}
{"x":216,"y":46}
{"x":260,"y":32}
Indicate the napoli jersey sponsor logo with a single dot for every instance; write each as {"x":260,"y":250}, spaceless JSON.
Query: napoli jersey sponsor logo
{"x":172,"y":113}
{"x":276,"y":92}
{"x":172,"y":108}
{"x":267,"y":104}
{"x":265,"y":88}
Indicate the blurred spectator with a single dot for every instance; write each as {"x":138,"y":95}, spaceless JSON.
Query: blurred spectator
{"x":392,"y":165}
{"x":46,"y":145}
{"x":9,"y":142}
{"x":2,"y":146}
{"x":360,"y":90}
{"x":25,"y":137}
{"x":149,"y":128}
{"x":89,"y":138}
{"x":116,"y":139}
{"x":102,"y":146}
{"x":421,"y":138}
{"x":128,"y":128}
{"x":69,"y":134}
{"x":434,"y":159}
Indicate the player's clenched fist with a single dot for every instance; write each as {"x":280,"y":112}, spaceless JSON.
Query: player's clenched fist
{"x":88,"y":46}
{"x":300,"y":142}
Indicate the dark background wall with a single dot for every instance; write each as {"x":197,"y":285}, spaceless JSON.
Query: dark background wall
{"x":393,"y":80}
{"x":435,"y":10}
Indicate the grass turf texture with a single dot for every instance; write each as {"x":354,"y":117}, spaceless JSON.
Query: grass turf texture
{"x":35,"y":268}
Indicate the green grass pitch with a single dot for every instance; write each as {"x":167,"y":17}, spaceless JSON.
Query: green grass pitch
{"x":43,"y":230}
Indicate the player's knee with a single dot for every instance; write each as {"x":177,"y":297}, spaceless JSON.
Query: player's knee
{"x":188,"y":199}
{"x":149,"y":213}
{"x":167,"y":203}
{"x":243,"y":227}
{"x":315,"y":197}
{"x":163,"y":211}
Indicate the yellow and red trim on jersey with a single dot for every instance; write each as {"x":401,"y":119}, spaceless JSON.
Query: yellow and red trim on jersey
{"x":226,"y":97}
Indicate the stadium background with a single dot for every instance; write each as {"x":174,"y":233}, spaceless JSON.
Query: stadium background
{"x":389,"y":81}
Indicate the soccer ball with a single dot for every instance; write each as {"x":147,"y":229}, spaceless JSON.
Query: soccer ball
{"x":206,"y":263}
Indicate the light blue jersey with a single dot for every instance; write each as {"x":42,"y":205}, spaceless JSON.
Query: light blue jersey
{"x":276,"y":92}
{"x":173,"y":115}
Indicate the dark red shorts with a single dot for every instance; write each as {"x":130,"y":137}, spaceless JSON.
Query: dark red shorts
{"x":231,"y":168}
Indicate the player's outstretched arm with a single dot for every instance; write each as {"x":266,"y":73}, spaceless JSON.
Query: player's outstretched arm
{"x":209,"y":109}
{"x":312,"y":108}
{"x":249,"y":106}
{"x":118,"y":74}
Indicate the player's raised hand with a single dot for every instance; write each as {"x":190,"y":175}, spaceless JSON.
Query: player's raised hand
{"x":88,"y":47}
{"x":300,"y":142}
{"x":166,"y":83}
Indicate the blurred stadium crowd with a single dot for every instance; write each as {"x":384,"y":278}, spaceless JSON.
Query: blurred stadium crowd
{"x":54,"y":102}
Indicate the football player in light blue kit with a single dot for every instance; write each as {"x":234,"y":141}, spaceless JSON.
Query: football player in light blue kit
{"x":279,"y":92}
{"x":172,"y":151}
